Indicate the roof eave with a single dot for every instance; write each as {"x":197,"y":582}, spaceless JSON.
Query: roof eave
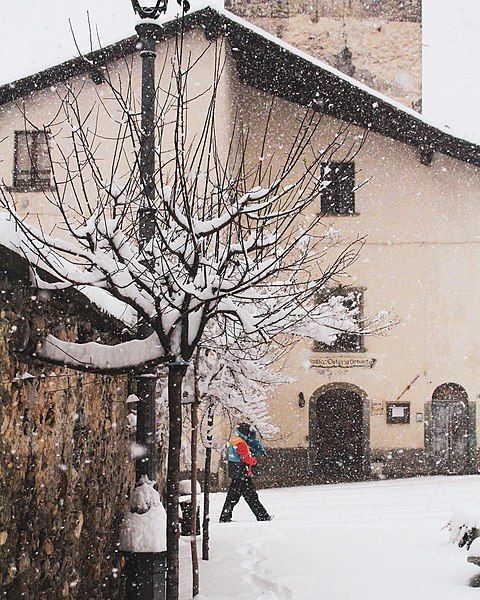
{"x":278,"y":70}
{"x":93,"y":62}
{"x":292,"y":77}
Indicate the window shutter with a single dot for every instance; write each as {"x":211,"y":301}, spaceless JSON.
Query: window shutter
{"x":42,"y":159}
{"x":32,"y":163}
{"x":338,"y":198}
{"x":346,"y":184}
{"x":23,"y":156}
{"x":345,"y":342}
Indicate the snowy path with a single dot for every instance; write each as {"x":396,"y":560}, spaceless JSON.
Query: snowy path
{"x":359,"y":541}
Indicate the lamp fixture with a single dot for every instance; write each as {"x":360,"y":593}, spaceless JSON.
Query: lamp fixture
{"x":153,"y":9}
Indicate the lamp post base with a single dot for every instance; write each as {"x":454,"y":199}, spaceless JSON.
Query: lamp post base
{"x":145,"y":575}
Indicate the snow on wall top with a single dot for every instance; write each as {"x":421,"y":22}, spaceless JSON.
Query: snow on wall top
{"x":13,"y":239}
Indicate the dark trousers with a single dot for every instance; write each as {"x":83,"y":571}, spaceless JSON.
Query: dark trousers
{"x":243,"y":486}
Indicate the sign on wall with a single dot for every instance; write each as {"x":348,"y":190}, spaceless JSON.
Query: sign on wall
{"x":342,"y":362}
{"x":398,"y":412}
{"x":377,"y":408}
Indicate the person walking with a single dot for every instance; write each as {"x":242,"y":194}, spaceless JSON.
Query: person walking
{"x":243,"y":450}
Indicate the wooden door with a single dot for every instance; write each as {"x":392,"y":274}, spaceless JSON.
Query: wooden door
{"x":449,"y":436}
{"x":339,"y":436}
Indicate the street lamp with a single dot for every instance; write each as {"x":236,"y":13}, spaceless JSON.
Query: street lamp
{"x":155,"y":8}
{"x":145,"y":570}
{"x":152,"y":10}
{"x":146,"y":381}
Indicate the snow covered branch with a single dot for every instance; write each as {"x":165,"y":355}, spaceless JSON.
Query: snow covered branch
{"x":102,"y":358}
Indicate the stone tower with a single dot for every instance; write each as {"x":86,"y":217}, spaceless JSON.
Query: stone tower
{"x":378,"y":42}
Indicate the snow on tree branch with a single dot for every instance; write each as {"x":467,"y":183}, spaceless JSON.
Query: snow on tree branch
{"x":234,"y":241}
{"x":101,"y":358}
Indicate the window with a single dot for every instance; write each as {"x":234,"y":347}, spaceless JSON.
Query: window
{"x":338,"y":198}
{"x":345,"y":342}
{"x":32,"y":163}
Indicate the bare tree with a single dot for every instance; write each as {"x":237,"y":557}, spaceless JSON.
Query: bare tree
{"x":237,"y":243}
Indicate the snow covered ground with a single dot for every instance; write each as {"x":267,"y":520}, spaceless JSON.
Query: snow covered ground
{"x":358,"y":541}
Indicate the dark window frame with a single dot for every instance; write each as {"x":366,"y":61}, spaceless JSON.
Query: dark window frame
{"x":338,"y":198}
{"x":32,"y":179}
{"x":346,"y":343}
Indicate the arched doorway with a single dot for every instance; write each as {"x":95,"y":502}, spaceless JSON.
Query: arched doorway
{"x":449,"y":430}
{"x":338,"y":433}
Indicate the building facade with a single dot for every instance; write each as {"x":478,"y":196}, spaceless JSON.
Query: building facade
{"x":397,"y":404}
{"x":403,"y":403}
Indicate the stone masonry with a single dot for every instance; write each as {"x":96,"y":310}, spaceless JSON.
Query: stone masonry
{"x":65,"y":469}
{"x":378,"y":42}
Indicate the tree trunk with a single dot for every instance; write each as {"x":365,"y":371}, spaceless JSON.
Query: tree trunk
{"x":206,"y":487}
{"x":194,"y":449}
{"x":176,"y":373}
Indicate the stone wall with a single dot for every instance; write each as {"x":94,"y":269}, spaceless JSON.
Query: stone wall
{"x":378,"y":42}
{"x":391,"y":10}
{"x":284,"y":467}
{"x":65,"y":470}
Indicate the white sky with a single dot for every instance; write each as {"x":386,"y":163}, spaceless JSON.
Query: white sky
{"x":35,"y":34}
{"x":451,"y":65}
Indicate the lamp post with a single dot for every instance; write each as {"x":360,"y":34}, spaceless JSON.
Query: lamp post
{"x":145,"y":571}
{"x":146,"y":465}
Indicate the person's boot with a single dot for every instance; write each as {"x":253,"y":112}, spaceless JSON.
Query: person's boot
{"x":225,"y":518}
{"x":265,"y":518}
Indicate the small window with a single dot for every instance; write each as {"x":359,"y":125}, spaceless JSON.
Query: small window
{"x":32,"y":162}
{"x":345,"y":342}
{"x":338,"y":198}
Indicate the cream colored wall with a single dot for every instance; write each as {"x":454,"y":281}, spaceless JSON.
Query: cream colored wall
{"x":420,"y":259}
{"x":44,"y":108}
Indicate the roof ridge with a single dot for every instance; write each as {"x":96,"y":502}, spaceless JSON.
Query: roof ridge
{"x":374,"y":110}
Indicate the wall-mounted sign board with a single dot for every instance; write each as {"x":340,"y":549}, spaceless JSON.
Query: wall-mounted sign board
{"x":342,"y":362}
{"x":398,"y":412}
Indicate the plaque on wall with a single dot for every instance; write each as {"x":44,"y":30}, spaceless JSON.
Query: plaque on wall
{"x":342,"y":362}
{"x":398,"y":412}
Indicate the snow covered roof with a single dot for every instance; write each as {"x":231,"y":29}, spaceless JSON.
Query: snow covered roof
{"x":268,"y":63}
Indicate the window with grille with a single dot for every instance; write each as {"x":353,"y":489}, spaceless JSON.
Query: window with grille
{"x":32,"y":168}
{"x":346,"y":341}
{"x":338,"y":198}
